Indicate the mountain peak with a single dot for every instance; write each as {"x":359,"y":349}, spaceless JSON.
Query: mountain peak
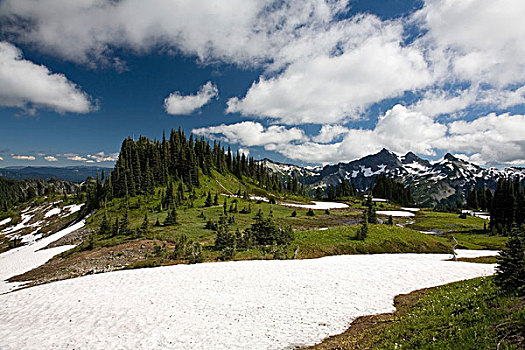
{"x":450,"y":157}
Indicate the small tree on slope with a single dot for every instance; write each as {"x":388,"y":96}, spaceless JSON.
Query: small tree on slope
{"x":510,"y":272}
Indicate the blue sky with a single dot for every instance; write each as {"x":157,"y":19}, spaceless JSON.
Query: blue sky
{"x":308,"y":82}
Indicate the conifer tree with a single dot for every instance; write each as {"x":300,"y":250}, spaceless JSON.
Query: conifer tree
{"x":209,"y":200}
{"x":145,"y":223}
{"x":510,"y":275}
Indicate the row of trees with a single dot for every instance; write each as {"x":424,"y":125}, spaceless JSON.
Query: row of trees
{"x":508,"y":205}
{"x":144,"y":164}
{"x":263,"y":234}
{"x":392,"y":190}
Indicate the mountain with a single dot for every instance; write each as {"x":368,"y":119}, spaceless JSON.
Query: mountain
{"x":445,"y":181}
{"x":303,"y":174}
{"x":71,"y":173}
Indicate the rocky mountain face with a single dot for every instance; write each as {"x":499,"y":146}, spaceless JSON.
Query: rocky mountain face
{"x":445,"y":181}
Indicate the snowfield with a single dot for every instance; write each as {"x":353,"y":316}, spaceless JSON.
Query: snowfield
{"x":398,"y":213}
{"x":317,"y":205}
{"x":272,"y":304}
{"x":25,"y":258}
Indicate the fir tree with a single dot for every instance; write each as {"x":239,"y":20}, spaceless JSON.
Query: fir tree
{"x":209,"y":200}
{"x":510,"y":275}
{"x":145,"y":224}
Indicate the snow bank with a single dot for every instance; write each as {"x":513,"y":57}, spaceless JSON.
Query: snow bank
{"x":411,"y":209}
{"x":5,"y":221}
{"x":73,"y":208}
{"x":317,"y":205}
{"x":25,"y":258}
{"x":395,"y":213}
{"x":232,"y":305}
{"x":25,"y":218}
{"x":54,"y":211}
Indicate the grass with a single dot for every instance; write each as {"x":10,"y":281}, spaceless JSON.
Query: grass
{"x":381,"y":239}
{"x":478,"y":241}
{"x":470,"y":314}
{"x":426,"y":220}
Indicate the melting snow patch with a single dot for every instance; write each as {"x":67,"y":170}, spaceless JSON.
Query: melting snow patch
{"x":395,"y":213}
{"x":73,"y":208}
{"x":233,"y":305}
{"x":25,"y":258}
{"x":5,"y":221}
{"x":54,"y":211}
{"x":411,"y":209}
{"x":317,"y":205}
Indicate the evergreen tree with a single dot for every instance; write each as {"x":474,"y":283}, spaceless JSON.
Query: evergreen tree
{"x":171,"y":219}
{"x":105,"y":227}
{"x":145,"y":223}
{"x":362,"y":232}
{"x":209,"y":200}
{"x":510,"y":275}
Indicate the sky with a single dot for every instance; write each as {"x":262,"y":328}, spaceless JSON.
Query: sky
{"x":301,"y":81}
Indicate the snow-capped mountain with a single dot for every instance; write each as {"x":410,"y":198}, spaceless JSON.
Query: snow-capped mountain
{"x":446,"y":180}
{"x":304,"y":174}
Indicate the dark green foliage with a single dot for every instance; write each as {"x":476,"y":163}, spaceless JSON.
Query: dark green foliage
{"x":345,"y":189}
{"x":392,"y":190}
{"x":310,"y":212}
{"x":508,"y":205}
{"x":105,"y":227}
{"x":145,"y":224}
{"x":390,"y":221}
{"x":157,"y":222}
{"x":371,"y":210}
{"x":171,"y":219}
{"x":195,"y":254}
{"x":327,"y":212}
{"x":510,"y":274}
{"x":362,"y":232}
{"x":209,"y":201}
{"x":293,"y":214}
{"x":124,"y":225}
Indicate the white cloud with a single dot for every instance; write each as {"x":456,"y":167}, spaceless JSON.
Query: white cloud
{"x":51,"y":159}
{"x":1,"y":158}
{"x":73,"y":156}
{"x":178,"y":104}
{"x":252,"y":134}
{"x":102,"y":157}
{"x":244,"y":151}
{"x":22,"y":157}
{"x":27,"y":85}
{"x":321,"y":88}
{"x":481,"y":40}
{"x":245,"y":32}
{"x":330,"y":132}
{"x":492,"y":139}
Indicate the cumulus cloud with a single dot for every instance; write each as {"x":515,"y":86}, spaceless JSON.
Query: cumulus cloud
{"x":252,"y":134}
{"x":27,"y":85}
{"x":1,"y":158}
{"x":73,"y":156}
{"x":244,"y":151}
{"x":103,"y":157}
{"x":492,"y":139}
{"x":178,"y":104}
{"x":245,"y":32}
{"x":482,"y":40}
{"x":51,"y":159}
{"x":371,"y":65}
{"x":328,"y":133}
{"x":22,"y":157}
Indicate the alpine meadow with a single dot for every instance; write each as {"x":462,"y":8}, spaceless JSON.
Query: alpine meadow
{"x":259,"y":174}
